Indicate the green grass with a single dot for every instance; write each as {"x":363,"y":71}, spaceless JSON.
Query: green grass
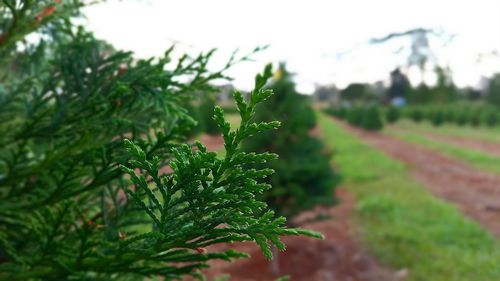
{"x":475,"y":158}
{"x":479,"y":133}
{"x":402,"y":224}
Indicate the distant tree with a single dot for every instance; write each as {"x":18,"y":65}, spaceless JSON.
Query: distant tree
{"x":326,"y":93}
{"x":399,"y":85}
{"x":437,"y":117}
{"x":416,"y":115}
{"x":371,"y":119}
{"x":420,"y":51}
{"x":354,"y":92}
{"x":304,"y":177}
{"x":392,"y":114}
{"x":206,"y":108}
{"x":444,"y":91}
{"x":490,"y":117}
{"x":422,"y":94}
{"x":471,"y":94}
{"x":494,"y":90}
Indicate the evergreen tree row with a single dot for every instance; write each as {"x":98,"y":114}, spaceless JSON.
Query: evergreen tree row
{"x":368,"y":118}
{"x":458,"y":114}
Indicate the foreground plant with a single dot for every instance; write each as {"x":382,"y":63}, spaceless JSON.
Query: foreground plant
{"x":97,"y":181}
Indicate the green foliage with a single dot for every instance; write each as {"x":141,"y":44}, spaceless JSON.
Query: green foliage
{"x":206,"y":109}
{"x":460,"y":117}
{"x":97,"y":181}
{"x":490,"y":117}
{"x":371,"y":119}
{"x":442,"y":93}
{"x":494,"y":91}
{"x":304,"y":177}
{"x":392,"y":115}
{"x":368,"y":118}
{"x":475,"y":118}
{"x":18,"y":18}
{"x":355,"y":116}
{"x":416,"y":115}
{"x":473,"y":114}
{"x":437,"y":117}
{"x":201,"y":109}
{"x":354,"y":92}
{"x":339,"y":112}
{"x":193,"y":111}
{"x":403,"y":224}
{"x":419,"y":95}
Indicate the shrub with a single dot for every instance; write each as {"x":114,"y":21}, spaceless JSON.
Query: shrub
{"x":371,"y":119}
{"x":449,"y":116}
{"x":416,"y":115}
{"x":355,"y":116}
{"x":193,"y":111}
{"x":206,"y":122}
{"x":475,"y":118}
{"x":461,"y":118}
{"x":490,"y":118}
{"x":342,"y":113}
{"x":436,"y":117}
{"x":392,"y":114}
{"x":339,"y":112}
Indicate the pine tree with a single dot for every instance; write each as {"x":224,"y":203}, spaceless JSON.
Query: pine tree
{"x":371,"y":119}
{"x":392,"y":114}
{"x":494,"y":90}
{"x":206,"y":109}
{"x":303,"y":175}
{"x":97,"y":181}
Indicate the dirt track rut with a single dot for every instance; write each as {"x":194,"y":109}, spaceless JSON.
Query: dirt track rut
{"x":340,"y":256}
{"x":475,"y":192}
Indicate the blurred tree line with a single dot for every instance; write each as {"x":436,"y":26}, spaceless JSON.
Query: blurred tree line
{"x":442,"y":92}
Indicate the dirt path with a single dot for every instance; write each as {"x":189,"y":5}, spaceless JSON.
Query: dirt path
{"x":480,"y":145}
{"x":338,"y":257}
{"x":476,"y":193}
{"x":484,"y":146}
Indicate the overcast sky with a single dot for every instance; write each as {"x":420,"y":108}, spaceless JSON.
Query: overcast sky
{"x":323,"y":42}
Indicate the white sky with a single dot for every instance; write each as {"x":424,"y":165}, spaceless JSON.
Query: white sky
{"x":308,"y":35}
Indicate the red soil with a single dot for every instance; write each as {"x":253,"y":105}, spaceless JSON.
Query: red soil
{"x":213,"y":143}
{"x":339,"y":256}
{"x":480,"y":145}
{"x":475,"y":192}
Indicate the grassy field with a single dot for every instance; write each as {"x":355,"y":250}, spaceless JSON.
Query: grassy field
{"x":475,"y":158}
{"x":480,"y":133}
{"x":402,"y":224}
